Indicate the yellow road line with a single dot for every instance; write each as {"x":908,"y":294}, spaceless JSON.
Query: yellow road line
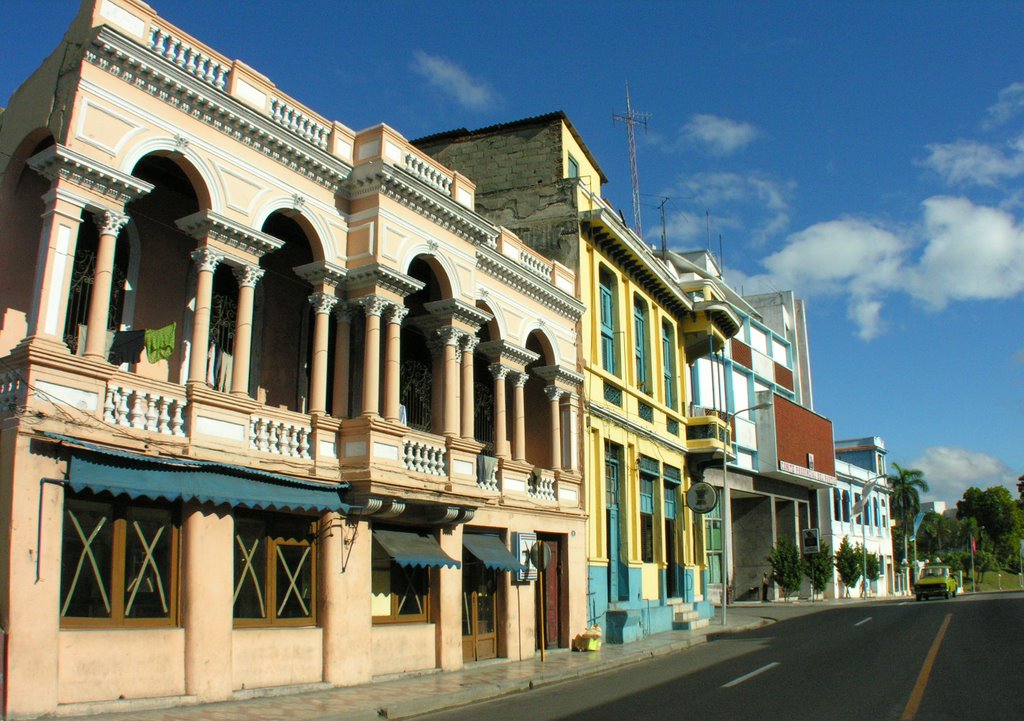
{"x":910,"y":711}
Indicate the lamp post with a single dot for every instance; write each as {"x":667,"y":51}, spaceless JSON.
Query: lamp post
{"x":726,"y":506}
{"x":863,"y":503}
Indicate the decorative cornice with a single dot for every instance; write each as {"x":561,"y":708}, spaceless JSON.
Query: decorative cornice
{"x":559,"y":374}
{"x":61,"y":162}
{"x":497,"y":265}
{"x":162,"y":79}
{"x":606,"y":413}
{"x":501,"y":351}
{"x":207,"y":224}
{"x":405,"y":188}
{"x":321,"y":272}
{"x":453,"y":309}
{"x":375,"y":275}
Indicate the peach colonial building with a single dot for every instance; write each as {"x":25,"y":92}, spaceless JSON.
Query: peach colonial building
{"x":264,"y":384}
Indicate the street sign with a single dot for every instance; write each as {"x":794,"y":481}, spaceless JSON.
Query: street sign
{"x":702,"y":497}
{"x":809,"y":541}
{"x":540,"y":555}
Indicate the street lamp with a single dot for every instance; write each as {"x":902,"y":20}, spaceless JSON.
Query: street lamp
{"x":726,"y":510}
{"x":862,"y":510}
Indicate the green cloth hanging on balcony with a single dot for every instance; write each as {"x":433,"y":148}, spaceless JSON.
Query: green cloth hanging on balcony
{"x":160,"y":343}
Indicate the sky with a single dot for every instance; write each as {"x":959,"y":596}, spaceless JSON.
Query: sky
{"x":868,"y":156}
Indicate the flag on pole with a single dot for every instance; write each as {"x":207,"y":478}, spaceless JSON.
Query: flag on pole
{"x":974,"y":545}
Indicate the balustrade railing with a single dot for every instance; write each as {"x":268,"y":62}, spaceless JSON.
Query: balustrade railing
{"x":192,"y":60}
{"x":279,"y":437}
{"x":142,"y":409}
{"x":299,"y":122}
{"x":541,"y":484}
{"x":535,"y":265}
{"x":424,"y":456}
{"x":10,"y":390}
{"x":428,"y":173}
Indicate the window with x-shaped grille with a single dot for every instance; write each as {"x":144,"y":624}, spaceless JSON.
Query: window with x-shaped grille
{"x":400,"y":594}
{"x":118,"y":563}
{"x":275,"y":570}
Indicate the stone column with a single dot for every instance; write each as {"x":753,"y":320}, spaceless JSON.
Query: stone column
{"x":248,"y":276}
{"x":519,"y":415}
{"x":373,"y":306}
{"x":393,"y":362}
{"x":500,"y":372}
{"x":110,"y":223}
{"x":554,"y":395}
{"x":447,"y":616}
{"x":207,"y":260}
{"x":469,"y":344}
{"x":323,"y":304}
{"x":342,"y":348}
{"x":54,"y":263}
{"x":450,"y":337}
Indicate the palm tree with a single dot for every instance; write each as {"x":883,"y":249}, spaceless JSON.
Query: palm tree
{"x":905,"y":487}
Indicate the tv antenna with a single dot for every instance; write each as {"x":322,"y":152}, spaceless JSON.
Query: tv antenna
{"x":632,"y":118}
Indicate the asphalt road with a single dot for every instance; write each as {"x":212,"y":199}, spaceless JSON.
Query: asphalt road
{"x":937,"y":660}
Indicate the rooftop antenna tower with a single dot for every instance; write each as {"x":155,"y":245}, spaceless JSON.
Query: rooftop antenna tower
{"x":631,"y":119}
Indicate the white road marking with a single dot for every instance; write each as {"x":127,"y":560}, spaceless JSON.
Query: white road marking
{"x":745,"y":677}
{"x":861,"y":623}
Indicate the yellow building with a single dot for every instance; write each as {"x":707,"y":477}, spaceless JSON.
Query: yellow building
{"x":640,"y":331}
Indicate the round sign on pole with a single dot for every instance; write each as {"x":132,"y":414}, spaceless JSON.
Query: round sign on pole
{"x":540,"y":555}
{"x":702,"y":497}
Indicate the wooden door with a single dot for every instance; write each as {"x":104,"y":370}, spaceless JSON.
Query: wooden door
{"x":552,"y":606}
{"x":479,"y":611}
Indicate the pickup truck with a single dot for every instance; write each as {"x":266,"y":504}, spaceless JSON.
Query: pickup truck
{"x":935,"y":581}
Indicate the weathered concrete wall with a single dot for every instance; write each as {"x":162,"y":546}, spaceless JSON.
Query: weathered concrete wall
{"x":752,"y":542}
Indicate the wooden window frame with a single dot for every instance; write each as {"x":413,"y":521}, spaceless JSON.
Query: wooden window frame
{"x":120,"y":506}
{"x":399,"y":575}
{"x":607,"y":320}
{"x":273,"y":540}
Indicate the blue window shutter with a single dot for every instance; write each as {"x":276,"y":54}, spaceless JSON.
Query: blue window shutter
{"x":640,"y":342}
{"x":607,"y":326}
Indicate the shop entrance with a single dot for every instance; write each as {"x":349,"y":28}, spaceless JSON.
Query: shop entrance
{"x":479,"y":609}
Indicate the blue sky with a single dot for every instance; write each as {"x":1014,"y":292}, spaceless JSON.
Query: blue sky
{"x":868,"y":155}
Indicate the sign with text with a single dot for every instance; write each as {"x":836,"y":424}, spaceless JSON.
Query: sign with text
{"x":809,"y":540}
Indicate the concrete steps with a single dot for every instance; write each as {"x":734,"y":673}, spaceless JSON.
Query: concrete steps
{"x":687,"y":618}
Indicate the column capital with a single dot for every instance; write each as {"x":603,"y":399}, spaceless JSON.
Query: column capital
{"x":343,"y":312}
{"x":373,"y":304}
{"x":110,"y":222}
{"x":519,"y":379}
{"x":469,"y":343}
{"x":397,"y":313}
{"x":322,"y":302}
{"x":553,"y":393}
{"x":498,"y":371}
{"x":248,"y":275}
{"x":206,"y":258}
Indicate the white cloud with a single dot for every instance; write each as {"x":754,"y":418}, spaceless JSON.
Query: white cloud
{"x":730,"y":197}
{"x":951,"y":471}
{"x":971,"y":162}
{"x":453,"y":81}
{"x":718,"y":135}
{"x":972,"y":253}
{"x":1010,"y":102}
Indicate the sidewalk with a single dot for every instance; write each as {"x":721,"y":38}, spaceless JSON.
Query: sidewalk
{"x":414,"y":695}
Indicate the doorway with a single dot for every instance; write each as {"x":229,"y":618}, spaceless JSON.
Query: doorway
{"x":551,"y":608}
{"x":479,"y":610}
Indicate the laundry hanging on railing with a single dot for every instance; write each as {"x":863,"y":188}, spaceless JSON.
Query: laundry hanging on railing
{"x":127,"y":346}
{"x":160,"y":343}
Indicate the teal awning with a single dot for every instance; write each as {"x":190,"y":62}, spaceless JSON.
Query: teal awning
{"x":491,"y":551}
{"x":411,"y":549}
{"x":96,"y":468}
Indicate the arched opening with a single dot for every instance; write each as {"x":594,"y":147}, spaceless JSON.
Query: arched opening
{"x":161,"y":277}
{"x":420,"y":377}
{"x":537,"y":405}
{"x":22,"y":224}
{"x":283,"y":321}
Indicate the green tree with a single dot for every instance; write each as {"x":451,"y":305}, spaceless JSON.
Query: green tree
{"x":787,"y":569}
{"x":995,"y":510}
{"x":818,"y":568}
{"x":873,"y":568}
{"x":849,"y":563}
{"x":906,"y":487}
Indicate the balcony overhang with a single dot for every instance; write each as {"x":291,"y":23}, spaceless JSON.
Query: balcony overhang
{"x":806,"y":477}
{"x":709,"y":326}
